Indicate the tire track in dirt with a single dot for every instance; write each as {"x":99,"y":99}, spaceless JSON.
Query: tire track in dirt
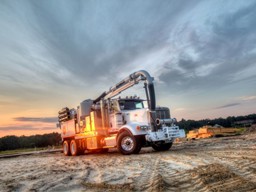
{"x":209,"y":174}
{"x":57,"y":174}
{"x":230,"y":170}
{"x":176,"y":172}
{"x":196,"y":166}
{"x":168,"y":171}
{"x":149,"y":176}
{"x":241,"y":164}
{"x":216,"y":177}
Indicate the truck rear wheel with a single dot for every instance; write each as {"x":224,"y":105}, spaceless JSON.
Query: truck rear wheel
{"x":74,"y":148}
{"x":161,"y":147}
{"x":127,"y":144}
{"x":66,"y":149}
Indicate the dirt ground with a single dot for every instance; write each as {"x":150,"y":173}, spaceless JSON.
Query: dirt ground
{"x":216,"y":164}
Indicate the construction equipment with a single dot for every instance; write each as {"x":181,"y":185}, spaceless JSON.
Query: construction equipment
{"x":211,"y":131}
{"x":110,"y":121}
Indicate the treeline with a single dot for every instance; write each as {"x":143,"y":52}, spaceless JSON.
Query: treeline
{"x":14,"y":142}
{"x":225,"y":122}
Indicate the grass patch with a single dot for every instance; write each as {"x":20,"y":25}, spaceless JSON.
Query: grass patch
{"x":15,"y":151}
{"x":10,"y":152}
{"x":241,"y":130}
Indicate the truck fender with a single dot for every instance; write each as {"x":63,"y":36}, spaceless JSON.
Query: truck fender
{"x":132,"y":128}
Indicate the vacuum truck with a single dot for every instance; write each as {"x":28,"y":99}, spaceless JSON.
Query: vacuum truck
{"x":128,"y":123}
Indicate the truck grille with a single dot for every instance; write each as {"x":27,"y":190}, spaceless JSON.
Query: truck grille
{"x":172,"y":131}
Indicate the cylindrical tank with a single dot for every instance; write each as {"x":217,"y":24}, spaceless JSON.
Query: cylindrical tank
{"x":85,"y":107}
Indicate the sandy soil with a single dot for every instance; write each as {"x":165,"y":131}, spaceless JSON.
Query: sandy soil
{"x":217,"y":164}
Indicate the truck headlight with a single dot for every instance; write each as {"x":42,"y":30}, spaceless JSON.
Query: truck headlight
{"x":144,"y":127}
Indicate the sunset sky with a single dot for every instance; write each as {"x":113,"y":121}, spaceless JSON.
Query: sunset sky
{"x":56,"y":53}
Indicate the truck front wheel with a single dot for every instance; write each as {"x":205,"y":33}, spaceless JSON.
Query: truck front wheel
{"x":127,"y":144}
{"x":161,"y":147}
{"x":66,"y":150}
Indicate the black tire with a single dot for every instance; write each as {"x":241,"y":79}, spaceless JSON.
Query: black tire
{"x":127,"y":144}
{"x":66,"y":149}
{"x":161,"y":147}
{"x":74,"y":148}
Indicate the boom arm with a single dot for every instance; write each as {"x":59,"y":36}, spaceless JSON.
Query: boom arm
{"x":128,"y":82}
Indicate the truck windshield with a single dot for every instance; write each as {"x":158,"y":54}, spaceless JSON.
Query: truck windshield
{"x":131,"y":104}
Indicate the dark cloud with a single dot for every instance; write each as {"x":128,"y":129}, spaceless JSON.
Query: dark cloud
{"x":237,"y":25}
{"x":228,"y":48}
{"x":37,"y":119}
{"x":187,"y":63}
{"x":95,"y":40}
{"x":55,"y":51}
{"x":228,"y":105}
{"x":24,"y":127}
